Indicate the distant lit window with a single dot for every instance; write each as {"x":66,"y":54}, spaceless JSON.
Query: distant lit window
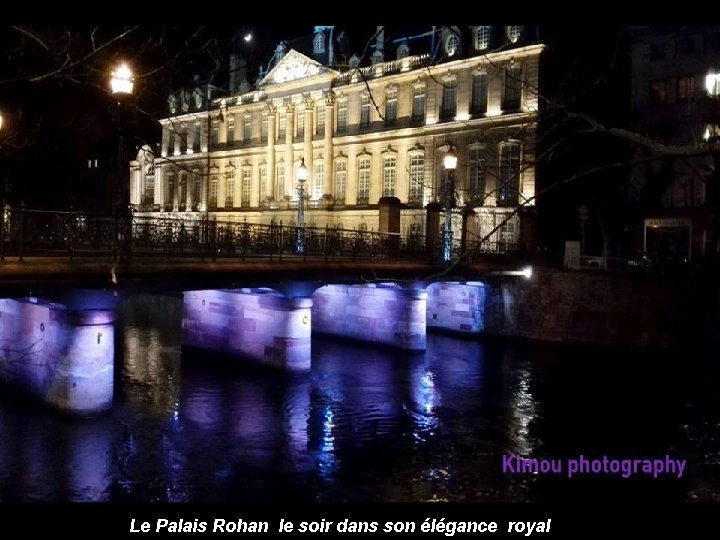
{"x":215,"y":132}
{"x":509,"y":174}
{"x":282,"y":123}
{"x":658,"y":93}
{"x":479,"y":94}
{"x":319,"y":179}
{"x":514,"y":33}
{"x":247,"y":129}
{"x":229,"y":186}
{"x":342,"y":116}
{"x":482,"y":37}
{"x":685,"y":89}
{"x":513,"y":88}
{"x":417,"y":176}
{"x":452,"y":45}
{"x":319,"y":43}
{"x":280,"y":182}
{"x":262,"y":173}
{"x":231,"y":129}
{"x":340,"y":180}
{"x":264,"y":128}
{"x":389,"y":175}
{"x":391,"y":106}
{"x":245,"y":187}
{"x":449,"y":100}
{"x":363,"y":193}
{"x":476,"y":174}
{"x":320,"y":119}
{"x":712,"y":84}
{"x":365,"y":110}
{"x":418,"y":106}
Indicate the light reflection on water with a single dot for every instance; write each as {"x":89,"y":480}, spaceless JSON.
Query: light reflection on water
{"x":365,"y":424}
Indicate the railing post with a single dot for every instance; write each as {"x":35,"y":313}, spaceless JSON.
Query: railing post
{"x":214,"y":238}
{"x":203,"y":236}
{"x":22,"y":226}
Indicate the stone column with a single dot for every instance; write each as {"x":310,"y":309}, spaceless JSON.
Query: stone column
{"x":329,"y":132}
{"x":307,"y":146}
{"x":289,"y":134}
{"x":270,"y":159}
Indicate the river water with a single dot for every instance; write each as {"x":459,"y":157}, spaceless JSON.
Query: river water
{"x":367,"y":424}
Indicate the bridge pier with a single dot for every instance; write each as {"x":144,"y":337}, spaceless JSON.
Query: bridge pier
{"x":458,"y":307}
{"x":258,"y":324}
{"x":380,"y":313}
{"x":62,"y":356}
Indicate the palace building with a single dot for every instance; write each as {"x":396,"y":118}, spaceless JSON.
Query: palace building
{"x":371,"y":132}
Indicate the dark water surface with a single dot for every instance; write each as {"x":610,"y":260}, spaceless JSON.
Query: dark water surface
{"x":366,"y":424}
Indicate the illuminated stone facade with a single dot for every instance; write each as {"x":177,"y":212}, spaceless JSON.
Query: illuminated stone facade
{"x":363,"y":132}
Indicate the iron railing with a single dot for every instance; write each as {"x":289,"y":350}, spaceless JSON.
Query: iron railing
{"x":25,"y":232}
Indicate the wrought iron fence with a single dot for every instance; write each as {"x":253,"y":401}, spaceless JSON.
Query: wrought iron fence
{"x":28,"y":232}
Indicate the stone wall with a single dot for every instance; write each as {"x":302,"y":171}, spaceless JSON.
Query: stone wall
{"x":257,"y":324}
{"x":458,"y":307}
{"x":378,"y":313}
{"x":64,"y":357}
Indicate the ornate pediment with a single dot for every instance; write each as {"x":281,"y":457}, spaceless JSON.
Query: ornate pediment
{"x":292,"y":67}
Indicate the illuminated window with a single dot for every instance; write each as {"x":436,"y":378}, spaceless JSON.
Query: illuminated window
{"x":170,"y":192}
{"x":213,"y":188}
{"x":363,"y":194}
{"x":389,"y":175}
{"x":262,"y":173}
{"x":449,"y":100}
{"x":452,"y":45}
{"x":231,"y":129}
{"x":476,"y":174}
{"x":417,"y":176}
{"x":264,"y":128}
{"x":342,"y":116}
{"x":247,"y":129}
{"x":482,"y":37}
{"x":319,"y":43}
{"x":320,"y":119}
{"x":215,"y":132}
{"x":280,"y":181}
{"x":318,"y":179}
{"x":508,"y":191}
{"x":365,"y":110}
{"x":685,"y":89}
{"x":282,"y":123}
{"x":245,"y":187}
{"x":340,"y":180}
{"x":712,"y":84}
{"x":418,"y":107}
{"x":391,"y":107}
{"x":229,"y":187}
{"x":514,"y":33}
{"x":479,"y":94}
{"x":300,"y":122}
{"x":658,"y":93}
{"x":513,"y":87}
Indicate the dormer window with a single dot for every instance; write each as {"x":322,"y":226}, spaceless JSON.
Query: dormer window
{"x":403,"y":51}
{"x":514,"y":33}
{"x":452,"y":45}
{"x":319,"y":43}
{"x":481,"y":37}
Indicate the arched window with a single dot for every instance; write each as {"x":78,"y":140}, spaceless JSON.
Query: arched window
{"x":476,"y":174}
{"x":318,"y":179}
{"x":340,"y":180}
{"x":514,"y":33}
{"x":229,"y":186}
{"x":245,"y":187}
{"x":212,"y":201}
{"x":389,"y":174}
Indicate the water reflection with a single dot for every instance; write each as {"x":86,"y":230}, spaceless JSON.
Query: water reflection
{"x":365,"y":424}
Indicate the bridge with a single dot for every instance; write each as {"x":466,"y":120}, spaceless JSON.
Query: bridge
{"x":246,"y":293}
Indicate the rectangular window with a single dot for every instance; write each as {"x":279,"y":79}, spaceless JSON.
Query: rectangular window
{"x":245,"y":187}
{"x":264,"y":128}
{"x":215,"y":132}
{"x":342,"y":116}
{"x":300,"y":123}
{"x":320,"y":119}
{"x":183,"y":139}
{"x":282,"y":123}
{"x":389,"y":173}
{"x":170,"y":198}
{"x":231,"y":129}
{"x":417,"y":176}
{"x":658,"y":93}
{"x":280,"y":182}
{"x":247,"y":129}
{"x":318,"y":180}
{"x":418,"y":108}
{"x":340,"y":181}
{"x":513,"y":88}
{"x":196,"y":138}
{"x":196,"y":189}
{"x":171,"y":142}
{"x":213,"y":190}
{"x":363,"y":194}
{"x":479,"y":94}
{"x":685,"y":89}
{"x":509,"y":174}
{"x":391,"y":107}
{"x":149,"y":195}
{"x":476,"y":176}
{"x":482,"y":38}
{"x":229,"y":188}
{"x":262,"y":172}
{"x":449,"y":101}
{"x":365,"y":111}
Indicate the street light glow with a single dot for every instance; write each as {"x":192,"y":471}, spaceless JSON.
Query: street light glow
{"x":248,"y":37}
{"x":121,"y":81}
{"x":450,"y":159}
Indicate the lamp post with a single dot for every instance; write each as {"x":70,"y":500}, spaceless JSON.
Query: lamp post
{"x":450,"y":163}
{"x":122,"y":84}
{"x":302,"y":174}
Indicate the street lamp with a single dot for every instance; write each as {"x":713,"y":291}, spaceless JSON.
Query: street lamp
{"x":450,"y":163}
{"x":302,"y":175}
{"x":122,"y":84}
